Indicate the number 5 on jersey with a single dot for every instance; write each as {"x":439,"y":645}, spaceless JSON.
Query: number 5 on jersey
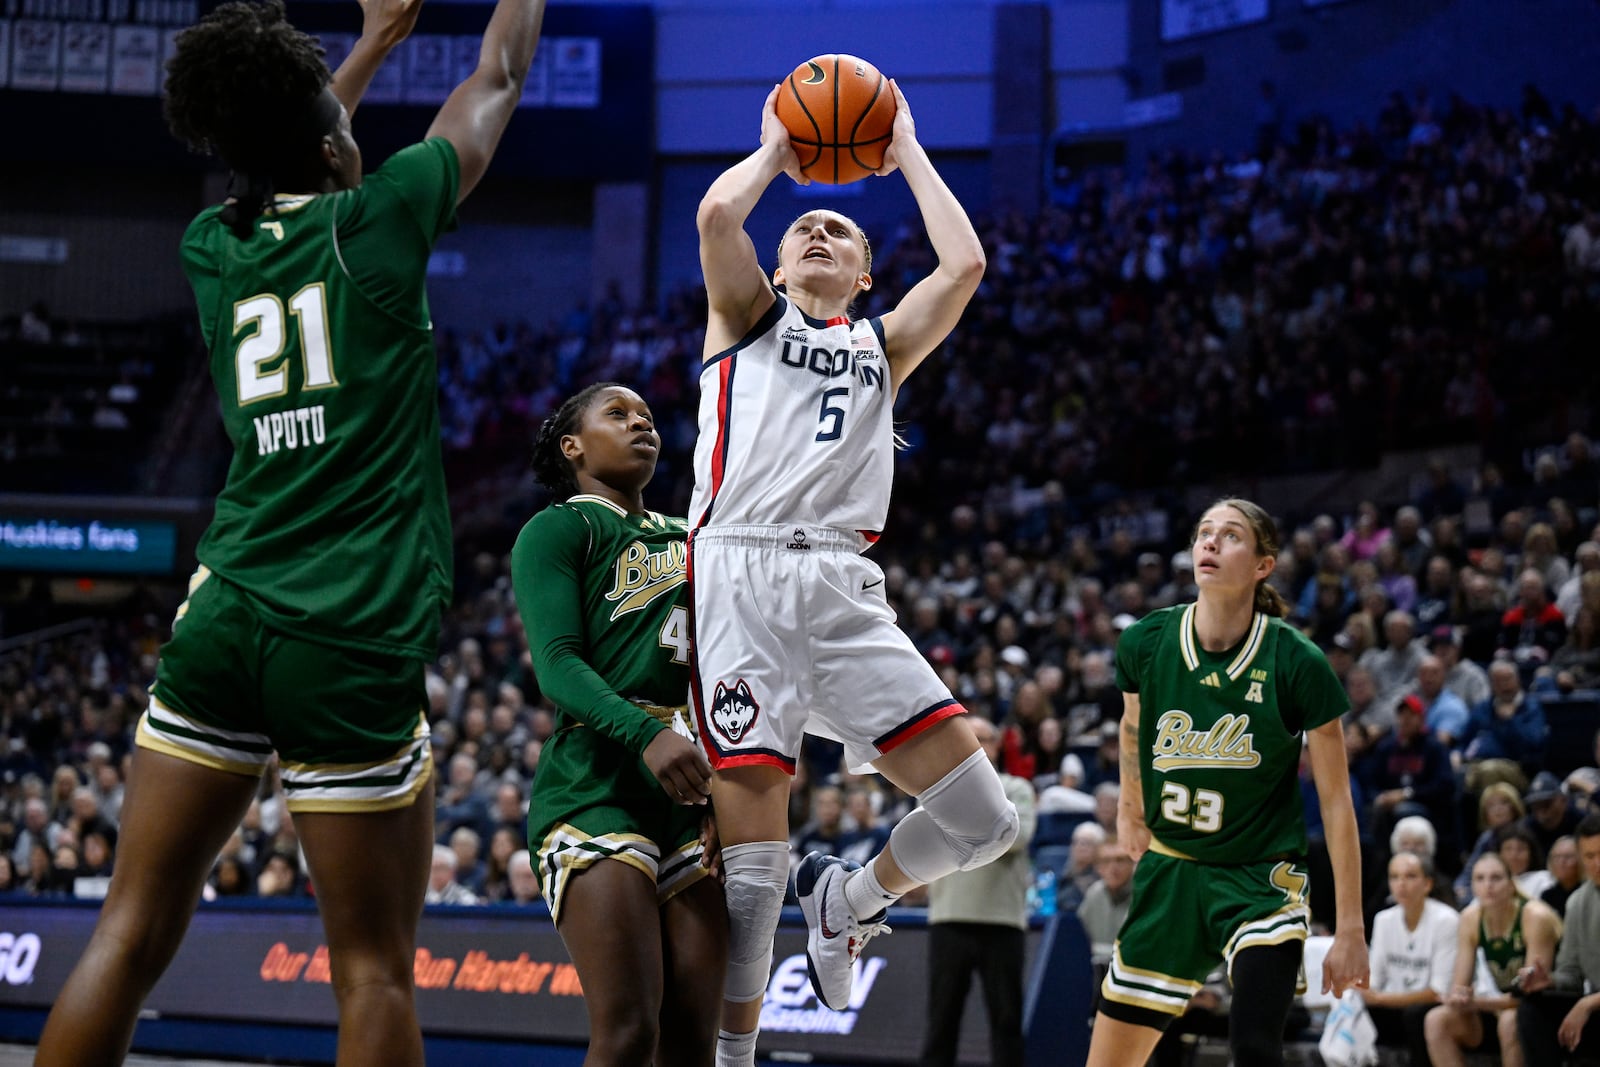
{"x":264,"y":313}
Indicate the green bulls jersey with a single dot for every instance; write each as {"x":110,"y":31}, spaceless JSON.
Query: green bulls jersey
{"x":334,"y":518}
{"x":601,"y":595}
{"x":1219,"y":733}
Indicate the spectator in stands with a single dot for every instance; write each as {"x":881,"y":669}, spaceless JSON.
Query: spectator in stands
{"x":496,"y":873}
{"x":9,"y":883}
{"x":1065,"y":796}
{"x":1394,"y":667}
{"x":1532,"y":629}
{"x":1413,"y":953}
{"x":1566,"y":873}
{"x":1408,"y":773}
{"x":1364,"y":537}
{"x":1541,"y":554}
{"x":1505,"y":738}
{"x":1556,"y":1014}
{"x":230,"y":879}
{"x":1513,"y":934}
{"x":868,"y":831}
{"x":460,"y":804}
{"x":471,"y":871}
{"x":1368,"y":720}
{"x":1576,"y":664}
{"x":1586,"y":560}
{"x":1435,"y":598}
{"x":1105,"y":903}
{"x":1524,"y":858}
{"x":37,"y":829}
{"x":1481,"y":615}
{"x":442,"y":885}
{"x":1106,"y":795}
{"x":977,"y":920}
{"x":1444,"y":713}
{"x":1499,"y":805}
{"x":524,"y":883}
{"x":279,"y":875}
{"x":825,"y":830}
{"x":1549,"y":814}
{"x":1080,"y":872}
{"x":1462,"y":677}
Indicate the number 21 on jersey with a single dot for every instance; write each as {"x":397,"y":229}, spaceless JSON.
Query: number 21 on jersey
{"x":263,"y":314}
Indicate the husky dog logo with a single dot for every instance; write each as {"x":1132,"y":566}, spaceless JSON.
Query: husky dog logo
{"x":733,"y":710}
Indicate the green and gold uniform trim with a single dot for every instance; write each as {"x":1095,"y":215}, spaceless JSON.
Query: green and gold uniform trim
{"x":1241,"y":662}
{"x":648,"y":518}
{"x":1152,"y":990}
{"x":379,"y":785}
{"x":172,"y":733}
{"x":1289,"y":923}
{"x":566,"y":850}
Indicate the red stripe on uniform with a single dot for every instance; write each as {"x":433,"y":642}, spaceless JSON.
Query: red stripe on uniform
{"x":719,"y":452}
{"x":751,"y":759}
{"x":917,"y":724}
{"x":838,"y":320}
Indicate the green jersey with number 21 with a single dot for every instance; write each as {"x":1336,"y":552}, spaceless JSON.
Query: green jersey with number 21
{"x":334,"y":517}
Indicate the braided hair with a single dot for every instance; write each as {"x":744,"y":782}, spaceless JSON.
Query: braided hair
{"x":246,"y":85}
{"x":550,"y":465}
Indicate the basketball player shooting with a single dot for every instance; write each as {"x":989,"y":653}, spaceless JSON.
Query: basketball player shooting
{"x":792,"y":632}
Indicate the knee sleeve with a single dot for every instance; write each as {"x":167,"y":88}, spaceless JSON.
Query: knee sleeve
{"x":755,"y":876}
{"x":962,"y":821}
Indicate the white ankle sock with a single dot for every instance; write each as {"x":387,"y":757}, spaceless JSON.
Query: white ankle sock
{"x":736,"y":1050}
{"x":865,"y":894}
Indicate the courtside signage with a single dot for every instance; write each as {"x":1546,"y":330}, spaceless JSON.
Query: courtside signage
{"x":480,"y":972}
{"x":86,"y":545}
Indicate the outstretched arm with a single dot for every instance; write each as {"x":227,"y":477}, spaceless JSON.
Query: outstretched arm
{"x":476,"y":114}
{"x":1346,"y":963}
{"x":384,"y":24}
{"x":736,"y":286}
{"x":928,"y":313}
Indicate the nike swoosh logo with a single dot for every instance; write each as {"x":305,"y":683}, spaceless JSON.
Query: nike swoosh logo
{"x":822,"y":919}
{"x":869,"y":585}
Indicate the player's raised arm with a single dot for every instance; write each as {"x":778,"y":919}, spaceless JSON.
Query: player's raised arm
{"x":476,"y":114}
{"x":934,"y":305}
{"x":736,"y":287}
{"x":384,"y":24}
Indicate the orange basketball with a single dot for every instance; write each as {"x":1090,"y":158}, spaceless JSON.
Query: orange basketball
{"x":839,"y":112}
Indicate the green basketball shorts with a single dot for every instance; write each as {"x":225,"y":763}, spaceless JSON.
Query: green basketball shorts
{"x":349,"y":726}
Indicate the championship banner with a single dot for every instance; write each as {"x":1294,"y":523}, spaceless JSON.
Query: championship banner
{"x":586,"y":111}
{"x":480,"y":973}
{"x":1191,"y":18}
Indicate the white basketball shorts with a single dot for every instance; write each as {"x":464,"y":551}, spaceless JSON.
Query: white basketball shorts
{"x":792,"y":634}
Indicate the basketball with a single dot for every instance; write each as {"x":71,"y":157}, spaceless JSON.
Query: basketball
{"x":839,"y":112}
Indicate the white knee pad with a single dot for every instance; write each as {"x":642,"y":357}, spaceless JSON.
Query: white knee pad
{"x":755,"y":876}
{"x":962,"y":821}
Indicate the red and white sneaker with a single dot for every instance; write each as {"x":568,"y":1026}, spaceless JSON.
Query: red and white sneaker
{"x":835,"y":937}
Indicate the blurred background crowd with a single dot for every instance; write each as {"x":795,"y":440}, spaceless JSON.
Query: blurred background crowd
{"x":1423,"y":282}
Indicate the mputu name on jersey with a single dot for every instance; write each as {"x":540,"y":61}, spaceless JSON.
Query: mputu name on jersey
{"x":295,"y":428}
{"x":643,"y":575}
{"x":1227,"y":744}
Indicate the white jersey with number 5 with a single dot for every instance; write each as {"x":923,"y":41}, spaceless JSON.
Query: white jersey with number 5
{"x":796,"y":426}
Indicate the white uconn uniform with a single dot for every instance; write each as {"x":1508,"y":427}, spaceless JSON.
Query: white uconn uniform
{"x":791,"y":630}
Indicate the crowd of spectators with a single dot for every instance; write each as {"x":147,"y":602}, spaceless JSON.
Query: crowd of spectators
{"x":1197,"y":321}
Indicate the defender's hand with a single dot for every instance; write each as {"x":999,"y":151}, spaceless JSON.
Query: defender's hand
{"x":680,"y":767}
